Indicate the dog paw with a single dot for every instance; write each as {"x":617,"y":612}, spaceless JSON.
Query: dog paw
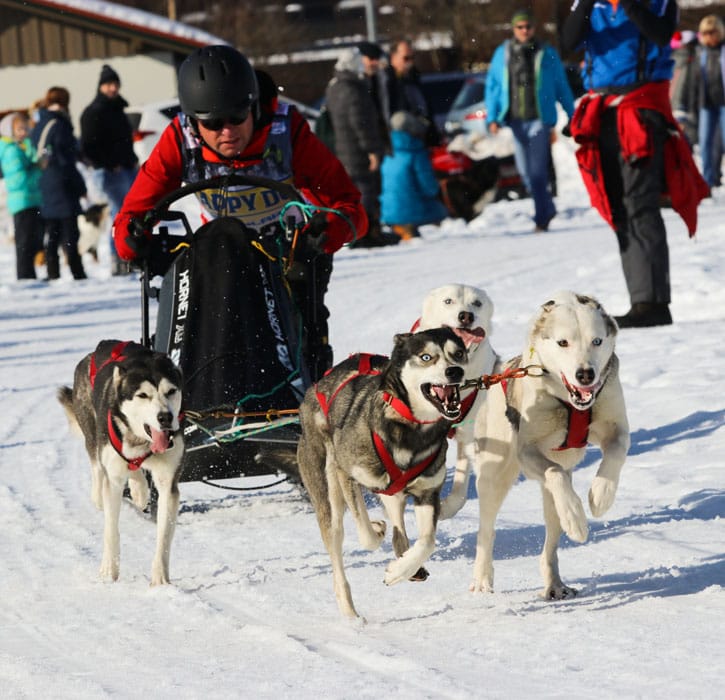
{"x":376,"y":537}
{"x":109,"y":570}
{"x":481,"y":586}
{"x":397,"y":571}
{"x":601,"y":495}
{"x":573,"y":520}
{"x":558,"y":592}
{"x":139,"y":493}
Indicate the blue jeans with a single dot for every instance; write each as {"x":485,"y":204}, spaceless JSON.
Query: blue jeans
{"x":710,"y":119}
{"x":532,"y":153}
{"x":115,"y":184}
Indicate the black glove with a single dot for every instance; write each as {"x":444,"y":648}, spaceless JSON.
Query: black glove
{"x":566,"y":130}
{"x":137,"y":239}
{"x":310,"y":244}
{"x":314,"y":235}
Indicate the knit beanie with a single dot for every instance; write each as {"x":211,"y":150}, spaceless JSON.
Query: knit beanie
{"x":108,"y":75}
{"x":522,"y":16}
{"x":370,"y":50}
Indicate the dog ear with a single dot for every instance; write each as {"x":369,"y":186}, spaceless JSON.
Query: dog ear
{"x":118,"y":372}
{"x":399,"y":338}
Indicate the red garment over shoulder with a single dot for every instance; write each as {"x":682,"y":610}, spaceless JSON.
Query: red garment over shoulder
{"x":318,"y":174}
{"x":683,"y":183}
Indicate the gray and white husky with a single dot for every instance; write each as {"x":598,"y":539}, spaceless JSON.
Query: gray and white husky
{"x":541,"y":425}
{"x":125,"y":402}
{"x":382,"y":423}
{"x":468,"y":311}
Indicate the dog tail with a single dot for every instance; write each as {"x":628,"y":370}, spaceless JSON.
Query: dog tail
{"x":65,"y":397}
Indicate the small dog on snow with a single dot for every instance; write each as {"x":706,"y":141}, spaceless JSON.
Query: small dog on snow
{"x":126,"y":401}
{"x":467,"y":311}
{"x":382,"y":423}
{"x":92,"y":224}
{"x":541,"y":424}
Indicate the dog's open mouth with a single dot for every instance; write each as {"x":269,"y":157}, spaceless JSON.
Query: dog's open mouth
{"x":445,"y":397}
{"x":470,"y":336}
{"x":161,"y":440}
{"x":581,"y":397}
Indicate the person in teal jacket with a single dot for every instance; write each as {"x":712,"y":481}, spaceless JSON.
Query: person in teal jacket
{"x":21,"y":175}
{"x":525,"y":80}
{"x":410,"y":193}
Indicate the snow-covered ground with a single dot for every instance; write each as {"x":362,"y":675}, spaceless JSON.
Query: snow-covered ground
{"x":251,"y":612}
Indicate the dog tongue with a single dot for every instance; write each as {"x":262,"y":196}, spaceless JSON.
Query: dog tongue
{"x":444,"y":393}
{"x":159,"y":441}
{"x":470,"y":336}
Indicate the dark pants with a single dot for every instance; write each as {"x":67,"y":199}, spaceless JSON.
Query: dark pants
{"x":369,"y":186}
{"x":634,"y":191}
{"x":63,"y":232}
{"x":28,"y":241}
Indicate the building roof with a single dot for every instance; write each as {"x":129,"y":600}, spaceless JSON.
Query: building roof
{"x":42,"y":31}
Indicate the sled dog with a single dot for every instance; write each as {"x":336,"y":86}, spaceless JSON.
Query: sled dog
{"x":381,"y":423}
{"x":92,"y":224}
{"x":125,"y":401}
{"x":467,"y":311}
{"x":541,"y":423}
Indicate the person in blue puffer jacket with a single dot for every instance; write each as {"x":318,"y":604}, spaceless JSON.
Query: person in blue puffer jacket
{"x":525,"y":80}
{"x":410,"y":191}
{"x":21,"y":175}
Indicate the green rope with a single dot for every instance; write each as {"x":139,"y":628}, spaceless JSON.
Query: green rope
{"x":310,"y":209}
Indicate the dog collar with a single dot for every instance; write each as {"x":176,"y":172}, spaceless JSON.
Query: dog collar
{"x":117,"y":444}
{"x":115,"y":356}
{"x":399,"y":479}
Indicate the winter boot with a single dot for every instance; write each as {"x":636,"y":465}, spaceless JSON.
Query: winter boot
{"x":645,"y":315}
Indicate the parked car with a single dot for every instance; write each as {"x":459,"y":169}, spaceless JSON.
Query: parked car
{"x":148,"y":121}
{"x":468,"y":110}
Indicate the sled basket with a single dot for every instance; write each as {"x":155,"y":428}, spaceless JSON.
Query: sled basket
{"x":228,"y":317}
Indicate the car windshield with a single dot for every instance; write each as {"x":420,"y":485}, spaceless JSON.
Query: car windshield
{"x":470,"y":94}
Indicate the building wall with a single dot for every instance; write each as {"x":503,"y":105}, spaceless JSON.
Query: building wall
{"x":146,"y":78}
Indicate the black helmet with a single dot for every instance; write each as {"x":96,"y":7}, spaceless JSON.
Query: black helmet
{"x":216,"y":81}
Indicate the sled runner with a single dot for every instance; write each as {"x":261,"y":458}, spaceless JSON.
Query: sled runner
{"x":241,"y":328}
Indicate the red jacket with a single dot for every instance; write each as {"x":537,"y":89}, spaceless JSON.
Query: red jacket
{"x":683,"y":183}
{"x":318,"y":175}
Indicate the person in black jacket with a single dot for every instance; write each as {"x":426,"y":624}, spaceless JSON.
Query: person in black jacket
{"x":358,"y":142}
{"x":107,"y":146}
{"x":61,"y":184}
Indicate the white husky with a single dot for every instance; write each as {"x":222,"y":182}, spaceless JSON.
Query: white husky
{"x":541,"y":425}
{"x":468,"y":312}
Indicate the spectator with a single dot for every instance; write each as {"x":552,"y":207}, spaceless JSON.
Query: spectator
{"x":372,"y":55}
{"x":107,"y":146}
{"x":358,"y":142}
{"x":683,"y":86}
{"x":631,"y":144}
{"x":525,"y":81}
{"x":225,"y":127}
{"x":410,"y":191}
{"x":61,"y":185}
{"x":711,"y":55}
{"x":403,"y":92}
{"x":21,"y":175}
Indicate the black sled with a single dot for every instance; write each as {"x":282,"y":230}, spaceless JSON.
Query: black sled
{"x":240,"y":331}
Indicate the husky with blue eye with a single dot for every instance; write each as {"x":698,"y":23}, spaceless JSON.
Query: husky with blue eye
{"x":540,"y":424}
{"x":381,"y":423}
{"x":126,"y":404}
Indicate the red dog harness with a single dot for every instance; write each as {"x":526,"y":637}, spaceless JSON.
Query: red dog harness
{"x":399,"y":478}
{"x":577,"y":427}
{"x":113,"y":434}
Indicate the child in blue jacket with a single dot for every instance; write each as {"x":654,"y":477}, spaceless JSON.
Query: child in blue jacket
{"x":410,"y":191}
{"x":21,"y":175}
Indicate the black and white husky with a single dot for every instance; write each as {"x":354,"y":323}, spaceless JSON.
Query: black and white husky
{"x":382,"y":423}
{"x":468,"y":311}
{"x":126,"y":402}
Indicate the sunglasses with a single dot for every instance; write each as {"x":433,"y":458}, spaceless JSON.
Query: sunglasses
{"x":407,"y":59}
{"x":219,"y":123}
{"x":708,"y":32}
{"x":523,"y":27}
